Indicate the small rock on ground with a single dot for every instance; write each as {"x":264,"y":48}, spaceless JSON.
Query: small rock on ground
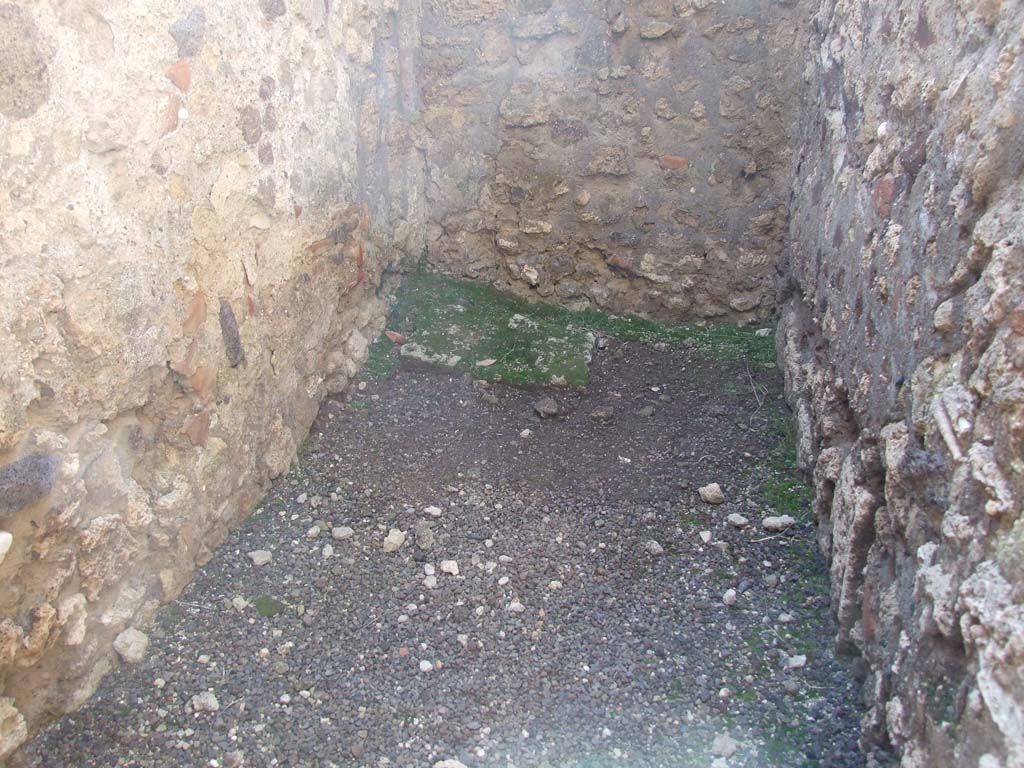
{"x":547,"y":408}
{"x":712,"y":493}
{"x":131,"y":645}
{"x":394,"y":540}
{"x":260,"y":557}
{"x":778,"y":523}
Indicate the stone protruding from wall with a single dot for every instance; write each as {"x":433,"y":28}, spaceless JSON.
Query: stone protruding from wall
{"x":198,"y":202}
{"x":634,"y":156}
{"x":903,"y":342}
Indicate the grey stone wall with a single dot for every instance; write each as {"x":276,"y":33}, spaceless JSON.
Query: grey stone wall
{"x":902,"y":335}
{"x":197,"y":203}
{"x":628,"y":155}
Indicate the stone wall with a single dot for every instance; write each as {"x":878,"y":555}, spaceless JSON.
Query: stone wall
{"x":903,"y":342}
{"x":198,"y":203}
{"x":629,"y":155}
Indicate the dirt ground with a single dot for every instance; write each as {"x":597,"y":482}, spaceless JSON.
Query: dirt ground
{"x":587,"y":625}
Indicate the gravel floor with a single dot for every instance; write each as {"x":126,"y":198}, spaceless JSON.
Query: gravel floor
{"x":566,"y":638}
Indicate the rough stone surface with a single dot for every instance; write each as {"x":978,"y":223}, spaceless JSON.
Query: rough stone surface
{"x":26,"y":481}
{"x":175,"y":302}
{"x":24,"y":63}
{"x":903,"y":344}
{"x":629,"y":156}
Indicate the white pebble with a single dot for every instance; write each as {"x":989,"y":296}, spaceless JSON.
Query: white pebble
{"x":737,"y":520}
{"x":394,"y":540}
{"x":260,"y":557}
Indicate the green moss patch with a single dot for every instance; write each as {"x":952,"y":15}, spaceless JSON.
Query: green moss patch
{"x":267,"y":606}
{"x":785,"y":491}
{"x":474,"y":328}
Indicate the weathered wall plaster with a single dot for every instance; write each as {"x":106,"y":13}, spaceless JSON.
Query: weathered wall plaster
{"x":903,"y":341}
{"x":629,"y":155}
{"x":198,"y":203}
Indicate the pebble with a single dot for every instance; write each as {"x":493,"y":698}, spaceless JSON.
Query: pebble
{"x":205,"y":702}
{"x":729,"y":598}
{"x":394,"y":540}
{"x":260,"y":557}
{"x":526,"y":433}
{"x":547,"y":407}
{"x":796,"y":662}
{"x":516,"y":607}
{"x":736,"y":520}
{"x":430,"y":582}
{"x":342,"y":532}
{"x":450,"y":567}
{"x":654,"y":548}
{"x":433,"y":511}
{"x":131,"y":645}
{"x":646,"y":411}
{"x":327,"y":551}
{"x":603,"y":413}
{"x":777,"y":524}
{"x":426,"y":666}
{"x":313,"y":532}
{"x":711,"y":493}
{"x":424,"y":533}
{"x":705,"y":536}
{"x":450,"y":763}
